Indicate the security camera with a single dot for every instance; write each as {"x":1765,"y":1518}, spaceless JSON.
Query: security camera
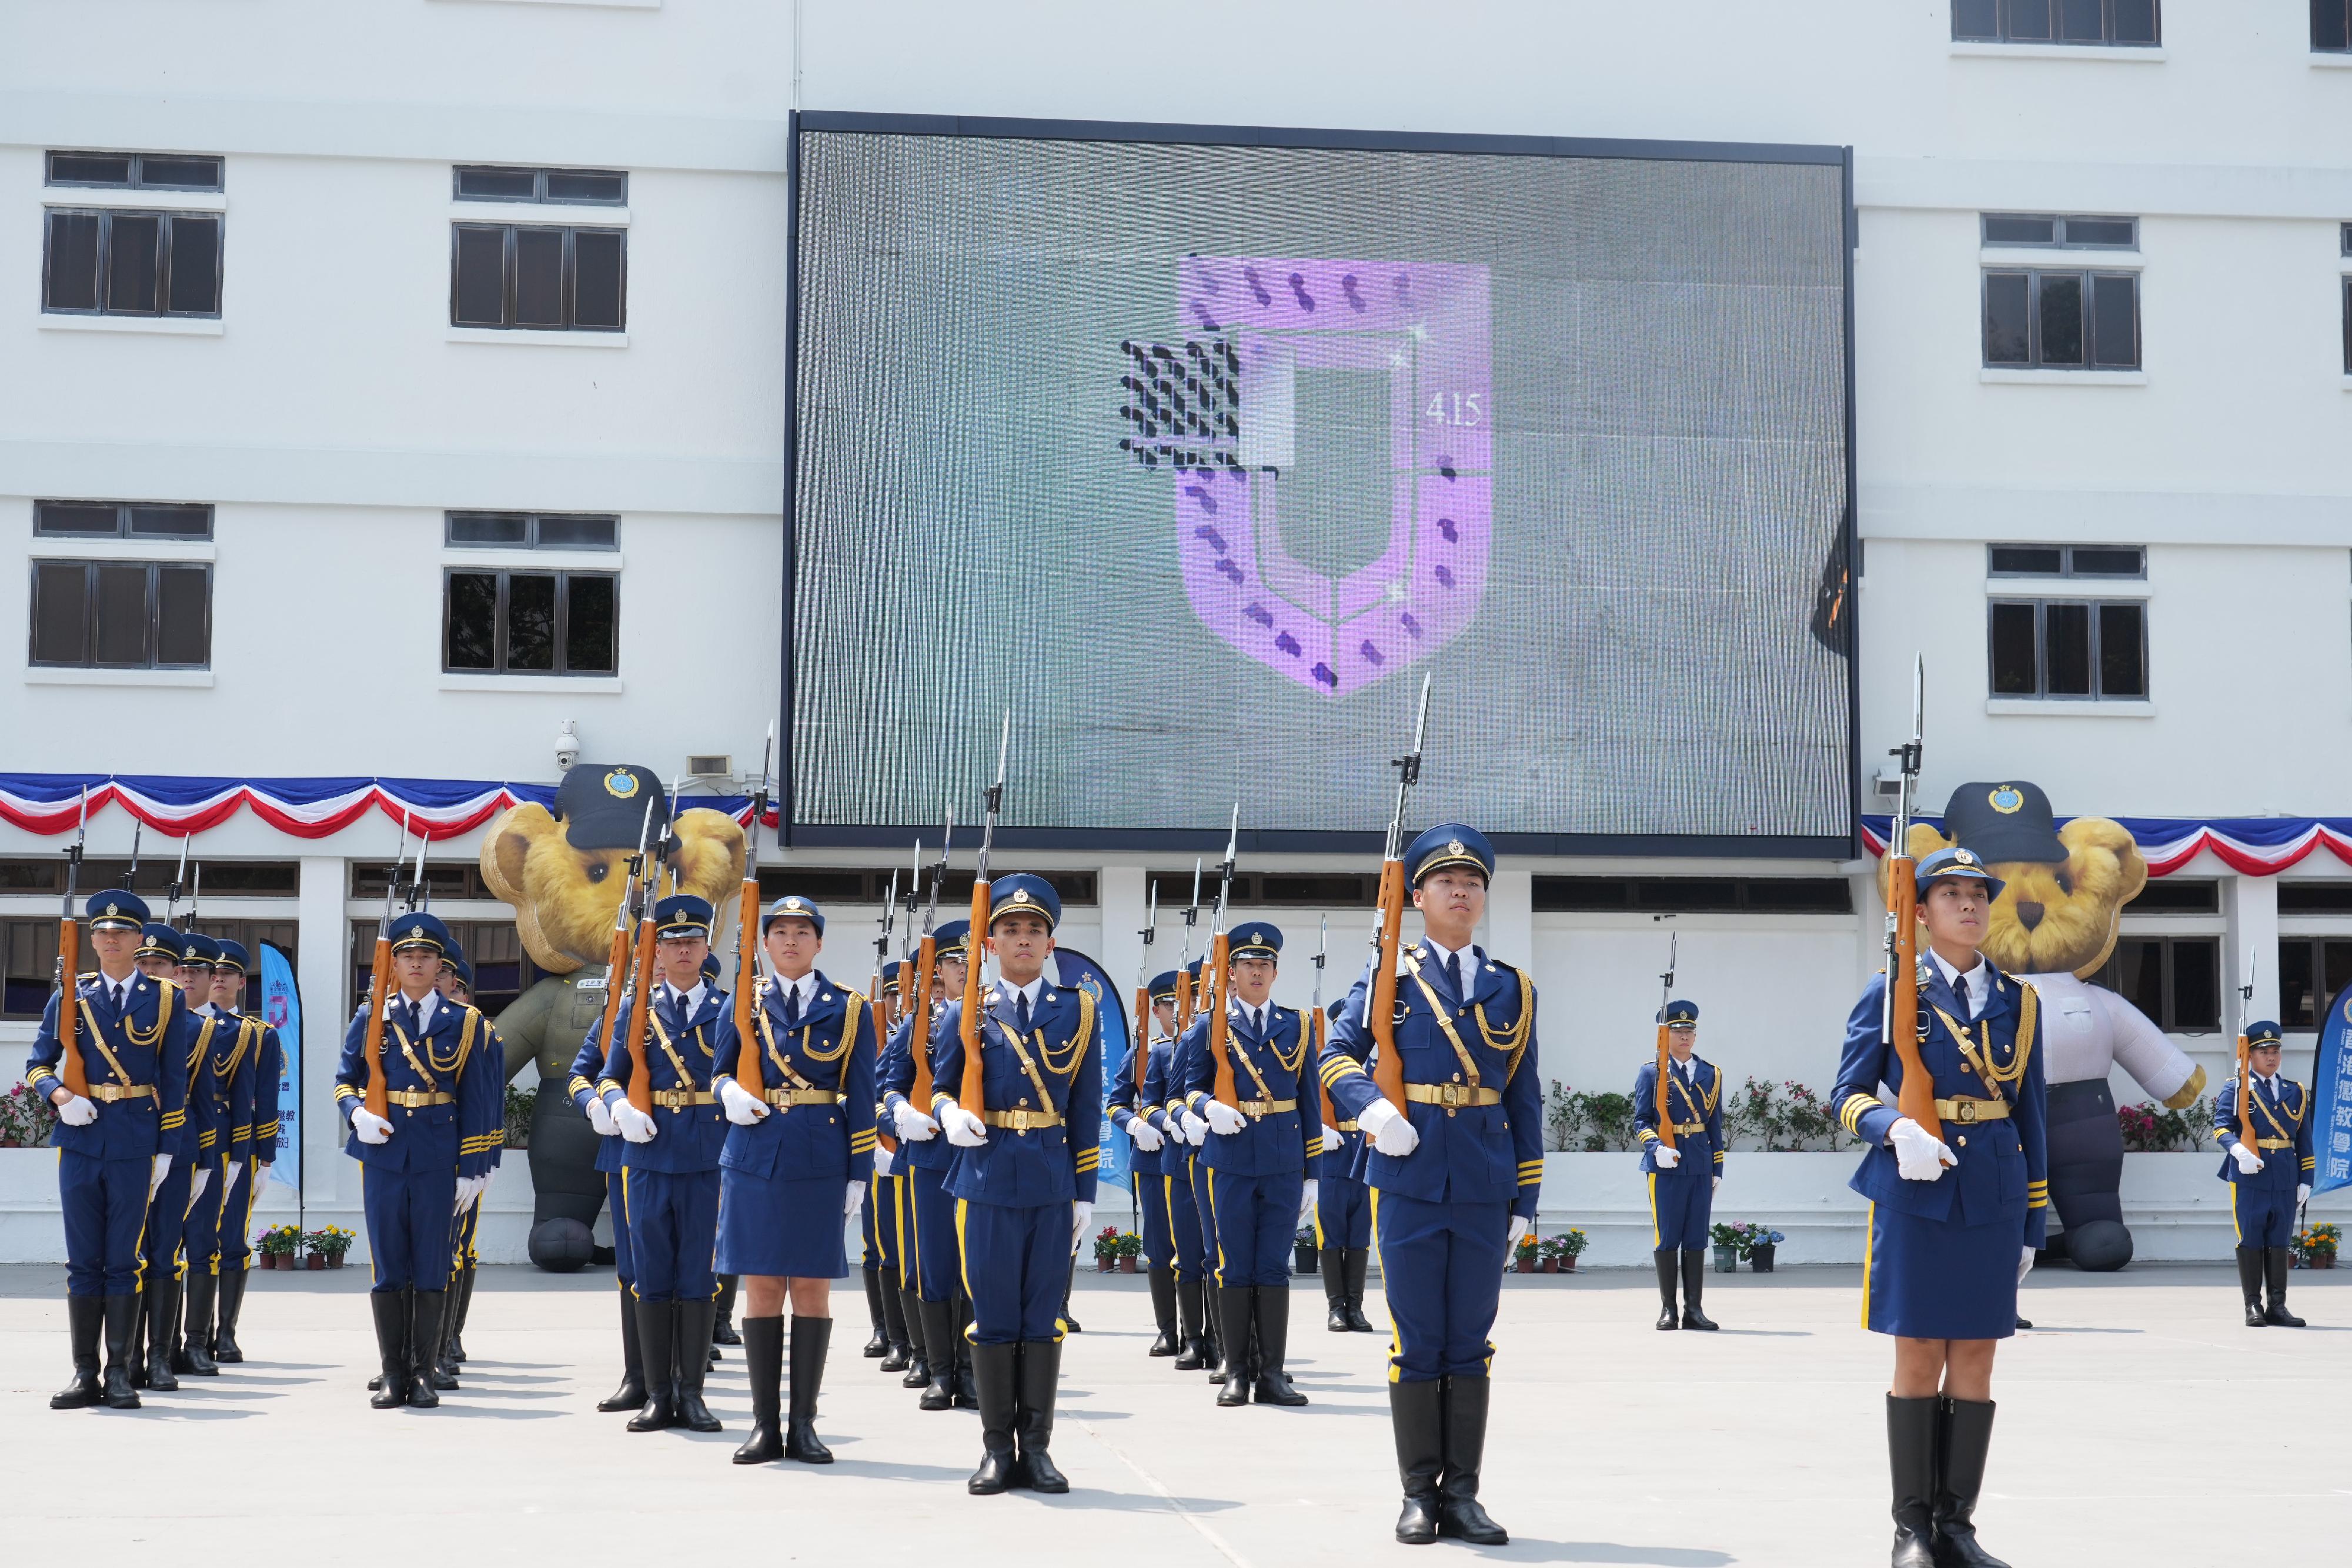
{"x":567,"y":745}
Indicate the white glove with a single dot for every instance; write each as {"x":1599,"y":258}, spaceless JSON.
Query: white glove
{"x":1195,"y":1129}
{"x":636,"y":1125}
{"x":77,"y":1112}
{"x":468,"y":1189}
{"x":1519,"y":1224}
{"x":1082,"y":1216}
{"x":600,"y":1118}
{"x":1917,"y":1156}
{"x":204,"y":1174}
{"x":1391,"y":1133}
{"x":1224,"y":1118}
{"x":964,"y":1130}
{"x":1144,"y":1135}
{"x":2024,"y":1263}
{"x":743,"y":1108}
{"x":1718,"y":1183}
{"x":371,"y":1127}
{"x":155,"y":1180}
{"x":2302,"y":1193}
{"x":911,"y":1123}
{"x":1666,"y":1158}
{"x":2248,"y":1160}
{"x":1306,"y":1201}
{"x":853,"y":1200}
{"x":884,"y":1161}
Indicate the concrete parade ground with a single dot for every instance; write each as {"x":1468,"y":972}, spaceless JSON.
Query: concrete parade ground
{"x":1611,"y":1443}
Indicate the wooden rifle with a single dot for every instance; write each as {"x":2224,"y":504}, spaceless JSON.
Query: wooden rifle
{"x":1388,"y":932}
{"x":1143,"y":994}
{"x":1665,"y":995}
{"x":377,"y":1102}
{"x":969,"y":1093}
{"x":880,"y":1007}
{"x":749,"y":1074}
{"x":1899,"y":1014}
{"x":1215,"y":971}
{"x":1186,"y":999}
{"x":1315,"y":1024}
{"x":640,"y":1082}
{"x":926,"y":956}
{"x":2246,"y":1134}
{"x":70,"y":1072}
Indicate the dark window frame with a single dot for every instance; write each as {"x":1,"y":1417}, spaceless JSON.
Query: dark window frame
{"x":150,"y":634}
{"x":2313,"y":969}
{"x":124,"y":513}
{"x":2002,"y":28}
{"x":510,"y":271}
{"x":32,"y":983}
{"x":2041,"y":692}
{"x":560,"y":633}
{"x":539,"y":196}
{"x":2323,"y":13}
{"x":2168,"y":982}
{"x":531,"y":539}
{"x":1692,"y":896}
{"x":2066,"y":563}
{"x":2059,"y":236}
{"x":137,"y":181}
{"x":2091,"y":277}
{"x":166,"y":220}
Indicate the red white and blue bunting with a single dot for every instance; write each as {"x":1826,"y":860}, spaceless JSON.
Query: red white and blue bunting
{"x":2254,"y":846}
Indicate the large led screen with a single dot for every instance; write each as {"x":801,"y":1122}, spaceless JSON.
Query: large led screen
{"x":1196,"y":457}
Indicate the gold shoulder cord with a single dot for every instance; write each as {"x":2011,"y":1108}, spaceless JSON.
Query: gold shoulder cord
{"x":677,"y":1062}
{"x":204,"y":1038}
{"x":850,"y":1000}
{"x":784,"y":1064}
{"x":1067,"y":1066}
{"x":1446,"y":1026}
{"x":1292,"y":1063}
{"x":1977,"y":1051}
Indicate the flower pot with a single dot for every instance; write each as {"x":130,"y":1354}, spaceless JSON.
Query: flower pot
{"x":1305,"y":1259}
{"x":1760,"y":1258}
{"x":1567,"y":1264}
{"x":334,"y":1260}
{"x":1524,"y":1265}
{"x":2323,"y":1259}
{"x":1727,"y":1261}
{"x":317,"y":1261}
{"x":1105,"y":1264}
{"x":1127,"y":1265}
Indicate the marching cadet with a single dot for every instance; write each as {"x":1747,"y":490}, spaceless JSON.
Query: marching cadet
{"x":456,"y":985}
{"x":132,"y":1039}
{"x":1455,"y":1175}
{"x":669,"y":1171}
{"x":1343,"y":1221}
{"x":192,"y":1148}
{"x":2268,"y":1183}
{"x":1023,"y":1178}
{"x":1259,"y":1151}
{"x":1954,"y":1221}
{"x":1130,"y":1104}
{"x":892,"y":1197}
{"x":255,"y":1072}
{"x":1195,"y":1136}
{"x":797,"y":1155}
{"x":722,"y":1316}
{"x":887,"y":1289}
{"x":923,"y":1159}
{"x":587,"y":1067}
{"x":225,"y":1080}
{"x":1163,"y":1112}
{"x":426,"y":1157}
{"x":1683,"y":1178}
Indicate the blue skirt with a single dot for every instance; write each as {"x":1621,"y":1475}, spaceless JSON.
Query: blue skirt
{"x":770,"y":1226}
{"x":1928,"y":1279}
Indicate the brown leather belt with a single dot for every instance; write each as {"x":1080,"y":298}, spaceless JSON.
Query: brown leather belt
{"x":1451,"y":1095}
{"x":1964,"y":1110}
{"x":1022,"y":1121}
{"x":416,"y":1099}
{"x":113,"y":1092}
{"x":679,"y":1099}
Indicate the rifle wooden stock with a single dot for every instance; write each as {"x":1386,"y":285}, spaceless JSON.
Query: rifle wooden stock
{"x":2246,"y":1096}
{"x":616,"y":978}
{"x":641,"y":1087}
{"x":1315,"y":1060}
{"x":968,"y":1093}
{"x":1220,"y":1026}
{"x":919,"y":1036}
{"x":881,"y":1010}
{"x":70,"y":1072}
{"x":378,"y":1100}
{"x":1143,"y":1037}
{"x":1916,"y":1098}
{"x":748,"y":1072}
{"x":1666,"y":1116}
{"x":1380,"y":999}
{"x":1183,"y":1002}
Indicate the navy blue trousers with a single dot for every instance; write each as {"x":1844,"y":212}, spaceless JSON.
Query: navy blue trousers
{"x":167,"y":1220}
{"x":2264,"y":1214}
{"x":1257,"y":1222}
{"x":1343,"y":1214}
{"x":674,"y":1232}
{"x":408,"y":1215}
{"x":939,"y":1254}
{"x":236,"y":1250}
{"x":1184,"y":1227}
{"x":625,"y":1257}
{"x":1151,"y":1213}
{"x":1442,"y":1267}
{"x":874,"y":1222}
{"x":1680,"y":1209}
{"x":1204,"y":1213}
{"x":1016,"y":1264}
{"x":105,"y":1204}
{"x":200,"y":1237}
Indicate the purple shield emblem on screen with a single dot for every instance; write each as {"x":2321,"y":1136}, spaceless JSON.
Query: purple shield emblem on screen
{"x":1417,"y":332}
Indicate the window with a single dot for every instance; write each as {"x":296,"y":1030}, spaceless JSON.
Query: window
{"x":2059,"y":648}
{"x":503,"y":970}
{"x":2175,"y":980}
{"x":2312,"y":971}
{"x":1689,"y":894}
{"x":222,"y":879}
{"x":530,"y":622}
{"x":2177,"y":895}
{"x":28,"y":963}
{"x":850,"y":885}
{"x":450,"y":882}
{"x":121,"y":615}
{"x":2297,"y":896}
{"x":549,"y":279}
{"x":120,"y":520}
{"x":2344,"y":240}
{"x":2061,"y":21}
{"x":135,"y":171}
{"x":2068,"y":560}
{"x":250,"y":934}
{"x":565,"y":187}
{"x":102,"y":263}
{"x":1322,"y":890}
{"x":2060,"y":320}
{"x":2058,"y":232}
{"x":2331,"y":27}
{"x":531,"y":530}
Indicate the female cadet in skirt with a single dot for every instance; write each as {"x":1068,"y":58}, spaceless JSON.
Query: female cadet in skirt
{"x":1954,"y":1222}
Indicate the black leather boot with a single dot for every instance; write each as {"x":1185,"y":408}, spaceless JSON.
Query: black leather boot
{"x":179,"y":1339}
{"x":1069,"y":1318}
{"x":232,"y":1303}
{"x":1038,"y":1372}
{"x":694,"y":1347}
{"x":2250,"y":1285}
{"x":2276,"y":1260}
{"x":121,"y":1321}
{"x":1358,"y":1260}
{"x":1963,"y":1440}
{"x":811,"y":1339}
{"x":1163,"y":1311}
{"x":1416,"y":1414}
{"x":1192,"y":1349}
{"x":657,"y":1351}
{"x":1334,"y":1288}
{"x":438,"y":1367}
{"x":453,"y":1351}
{"x":1668,"y":1266}
{"x":390,"y":1310}
{"x":631,"y":1395}
{"x":163,"y":1307}
{"x":919,"y":1356}
{"x":197,"y":1345}
{"x":940,"y":1338}
{"x":879,"y":1344}
{"x":967,"y":1381}
{"x":85,"y":1319}
{"x":722,"y":1326}
{"x":424,"y":1344}
{"x":763,"y":1363}
{"x":894,"y":1327}
{"x":1911,"y":1430}
{"x":1212,"y":1296}
{"x":995,"y":1371}
{"x":1693,"y":1285}
{"x":1235,"y":1310}
{"x":1459,"y":1514}
{"x":1270,"y":1384}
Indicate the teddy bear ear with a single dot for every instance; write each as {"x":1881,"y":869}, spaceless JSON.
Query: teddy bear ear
{"x":2099,"y":833}
{"x":711,"y":851}
{"x":506,"y":846}
{"x":1924,"y":840}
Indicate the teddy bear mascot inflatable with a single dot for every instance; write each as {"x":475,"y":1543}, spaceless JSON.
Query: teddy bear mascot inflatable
{"x":564,"y":875}
{"x":2053,"y":925}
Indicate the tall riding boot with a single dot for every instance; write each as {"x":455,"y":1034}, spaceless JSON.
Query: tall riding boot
{"x":1358,"y":1260}
{"x":85,"y":1315}
{"x":879,"y":1344}
{"x":162,"y":1306}
{"x":2276,"y":1260}
{"x":967,"y":1381}
{"x":1069,"y":1318}
{"x":1964,"y":1438}
{"x":657,"y":1351}
{"x":1911,"y":1458}
{"x":940,"y":1341}
{"x":1417,"y":1414}
{"x":181,"y":1361}
{"x":438,"y":1367}
{"x":1040,"y":1374}
{"x":1234,"y":1308}
{"x":2250,"y":1285}
{"x":424,"y":1344}
{"x":1192,"y":1348}
{"x":121,"y":1322}
{"x":197,"y":1345}
{"x":454,"y":1351}
{"x":1221,"y":1344}
{"x":1271,"y":1385}
{"x":1694,"y":1283}
{"x":1334,"y":1288}
{"x":1668,"y":1266}
{"x":810,"y":1338}
{"x":723,"y":1325}
{"x":694,"y":1363}
{"x":763,"y":1362}
{"x":918,"y":1356}
{"x":894,"y":1327}
{"x":1163,"y":1311}
{"x":232,"y":1302}
{"x":390,"y":1309}
{"x":631,"y":1395}
{"x":994,"y":1370}
{"x":1459,"y":1514}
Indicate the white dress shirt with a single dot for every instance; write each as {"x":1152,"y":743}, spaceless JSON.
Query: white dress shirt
{"x":1973,"y":987}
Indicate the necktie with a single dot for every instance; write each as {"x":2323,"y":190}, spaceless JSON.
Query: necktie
{"x":1454,"y":974}
{"x":115,"y":991}
{"x":791,"y":1005}
{"x":1020,"y":1008}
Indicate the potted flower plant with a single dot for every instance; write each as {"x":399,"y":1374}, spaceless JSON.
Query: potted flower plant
{"x":2316,"y":1246}
{"x":329,"y":1242}
{"x":1566,"y":1248}
{"x":1761,"y":1248}
{"x":1107,"y":1249}
{"x":26,"y":1119}
{"x":278,"y":1245}
{"x":1727,"y":1240}
{"x":1525,"y":1255}
{"x":1130,"y":1248}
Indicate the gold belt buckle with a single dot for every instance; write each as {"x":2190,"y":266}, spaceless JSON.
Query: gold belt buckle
{"x":1965,"y":1111}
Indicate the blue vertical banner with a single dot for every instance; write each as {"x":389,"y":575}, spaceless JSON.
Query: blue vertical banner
{"x":1118,"y":1038}
{"x":281,"y":1008}
{"x":2331,"y":1087}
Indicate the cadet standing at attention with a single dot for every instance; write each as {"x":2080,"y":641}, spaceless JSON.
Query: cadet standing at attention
{"x":1131,"y":1102}
{"x":120,"y":1098}
{"x":2269,"y":1182}
{"x":1455,"y":1175}
{"x":227,"y":1080}
{"x":587,"y":1067}
{"x":456,"y":986}
{"x":255,"y":1083}
{"x":198,"y":1134}
{"x":1683,"y":1177}
{"x":923,"y":1159}
{"x":877,"y":1225}
{"x":1194,"y":1132}
{"x":1343,"y":1220}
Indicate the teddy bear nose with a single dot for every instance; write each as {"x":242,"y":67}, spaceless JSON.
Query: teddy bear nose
{"x":2028,"y":913}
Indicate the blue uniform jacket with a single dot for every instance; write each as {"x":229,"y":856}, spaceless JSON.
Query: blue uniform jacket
{"x":455,"y":1057}
{"x":237,"y":1048}
{"x":1127,"y":1101}
{"x":1467,"y":1153}
{"x":205,"y":1129}
{"x":2281,"y":1118}
{"x":832,"y":1047}
{"x":1700,"y":1101}
{"x":149,"y":1041}
{"x":1274,"y":1143}
{"x":2003,"y":1171}
{"x":1042,"y":1165}
{"x":268,"y":1065}
{"x":586,"y":1068}
{"x":683,"y":1054}
{"x":897,"y":1082}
